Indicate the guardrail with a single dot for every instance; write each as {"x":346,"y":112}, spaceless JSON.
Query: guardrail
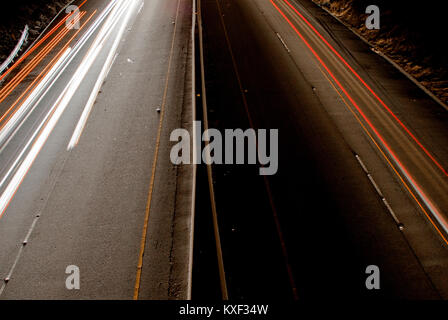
{"x":16,"y":50}
{"x":48,"y":25}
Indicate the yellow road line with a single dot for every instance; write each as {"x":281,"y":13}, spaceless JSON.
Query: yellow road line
{"x":154,"y":166}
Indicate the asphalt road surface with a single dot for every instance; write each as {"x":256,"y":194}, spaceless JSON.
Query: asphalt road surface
{"x":362,"y":158}
{"x":86,"y":162}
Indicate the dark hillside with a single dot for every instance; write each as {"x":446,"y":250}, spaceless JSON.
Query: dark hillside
{"x":14,"y":15}
{"x":412,"y":33}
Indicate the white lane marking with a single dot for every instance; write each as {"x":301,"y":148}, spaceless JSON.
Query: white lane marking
{"x":362,"y":164}
{"x":110,"y":66}
{"x":372,"y":181}
{"x":392,"y":213}
{"x":16,"y":260}
{"x":64,"y":56}
{"x":283,"y":42}
{"x":8,"y":277}
{"x":141,"y":7}
{"x":105,"y":70}
{"x":380,"y":193}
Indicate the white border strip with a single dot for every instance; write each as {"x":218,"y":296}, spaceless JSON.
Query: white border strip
{"x":193,"y":187}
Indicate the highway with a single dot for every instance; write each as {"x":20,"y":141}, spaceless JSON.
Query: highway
{"x":86,"y":179}
{"x":362,"y":170}
{"x":85,"y":173}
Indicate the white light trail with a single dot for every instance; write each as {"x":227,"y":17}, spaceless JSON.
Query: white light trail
{"x":56,"y":111}
{"x":105,"y":70}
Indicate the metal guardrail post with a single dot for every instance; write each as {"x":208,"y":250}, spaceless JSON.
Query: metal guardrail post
{"x":16,"y":50}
